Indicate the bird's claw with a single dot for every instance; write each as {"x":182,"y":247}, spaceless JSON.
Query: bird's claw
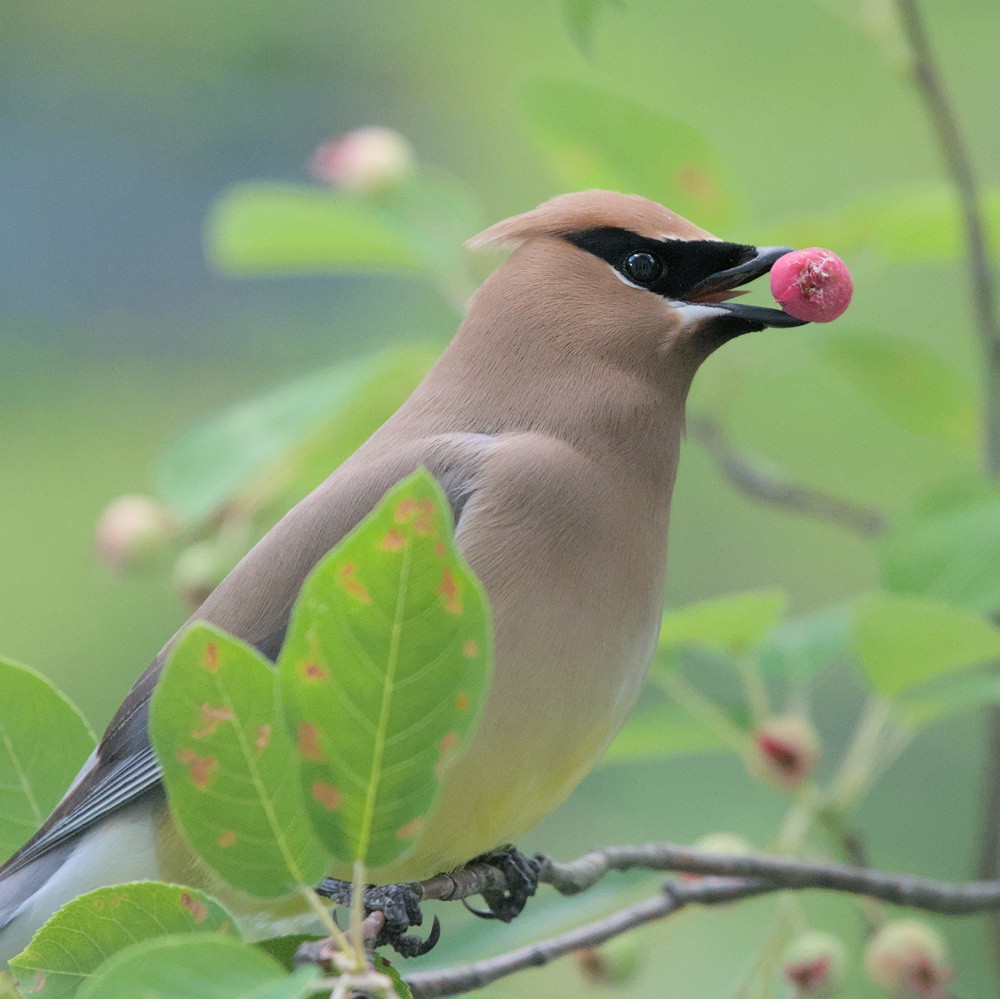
{"x":410,"y":945}
{"x":399,"y":904}
{"x":521,"y":875}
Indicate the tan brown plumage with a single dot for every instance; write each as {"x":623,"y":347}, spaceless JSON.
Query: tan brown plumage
{"x":553,"y":421}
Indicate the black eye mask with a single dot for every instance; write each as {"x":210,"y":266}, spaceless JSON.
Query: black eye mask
{"x":682,"y":263}
{"x":697,"y":271}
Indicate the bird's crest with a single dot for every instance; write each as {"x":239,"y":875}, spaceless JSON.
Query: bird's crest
{"x":574,"y":213}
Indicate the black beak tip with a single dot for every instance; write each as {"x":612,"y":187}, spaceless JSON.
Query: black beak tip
{"x":750,"y":317}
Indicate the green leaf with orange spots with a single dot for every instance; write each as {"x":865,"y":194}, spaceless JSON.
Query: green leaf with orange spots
{"x":385,"y":666}
{"x":84,"y":933}
{"x":230,"y":770}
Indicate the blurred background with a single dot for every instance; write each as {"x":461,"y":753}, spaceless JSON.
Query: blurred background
{"x":123,"y":124}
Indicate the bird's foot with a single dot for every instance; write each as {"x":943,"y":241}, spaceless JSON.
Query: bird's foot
{"x":399,"y":904}
{"x":521,"y":875}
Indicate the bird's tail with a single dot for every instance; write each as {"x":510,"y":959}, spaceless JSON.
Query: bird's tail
{"x":19,"y":886}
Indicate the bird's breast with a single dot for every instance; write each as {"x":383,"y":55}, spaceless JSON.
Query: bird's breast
{"x":576,"y":609}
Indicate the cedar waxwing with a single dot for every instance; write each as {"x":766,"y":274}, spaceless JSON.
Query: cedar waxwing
{"x":553,"y":422}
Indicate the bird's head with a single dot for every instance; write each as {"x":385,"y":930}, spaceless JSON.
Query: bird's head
{"x":624,"y":276}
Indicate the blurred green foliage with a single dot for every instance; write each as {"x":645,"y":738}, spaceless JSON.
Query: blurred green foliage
{"x":796,"y":111}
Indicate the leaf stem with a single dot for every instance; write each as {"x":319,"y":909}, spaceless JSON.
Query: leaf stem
{"x":704,"y":710}
{"x":329,"y":924}
{"x":859,"y":762}
{"x":753,"y":688}
{"x":358,"y":915}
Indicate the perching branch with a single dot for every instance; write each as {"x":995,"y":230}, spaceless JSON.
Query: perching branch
{"x":958,"y":162}
{"x":764,"y":484}
{"x":727,"y":878}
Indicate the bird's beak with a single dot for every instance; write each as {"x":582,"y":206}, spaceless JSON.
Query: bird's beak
{"x":715,"y":291}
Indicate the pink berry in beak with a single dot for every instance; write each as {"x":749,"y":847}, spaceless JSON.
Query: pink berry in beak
{"x":814,"y":284}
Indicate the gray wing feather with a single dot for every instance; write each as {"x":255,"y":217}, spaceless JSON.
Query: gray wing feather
{"x":125,"y":766}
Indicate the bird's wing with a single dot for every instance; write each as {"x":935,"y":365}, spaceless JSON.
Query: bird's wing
{"x":253,"y":603}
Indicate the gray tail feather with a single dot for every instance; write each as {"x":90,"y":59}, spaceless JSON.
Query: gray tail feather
{"x":17,"y":888}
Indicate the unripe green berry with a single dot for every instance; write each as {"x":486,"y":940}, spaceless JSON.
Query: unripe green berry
{"x":615,"y":964}
{"x":723,"y":842}
{"x":719,"y":842}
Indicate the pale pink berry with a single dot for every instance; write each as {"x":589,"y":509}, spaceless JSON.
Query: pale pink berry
{"x":815,"y":964}
{"x":787,"y":748}
{"x":909,"y":959}
{"x":814,"y":284}
{"x":365,"y":160}
{"x":132,"y":531}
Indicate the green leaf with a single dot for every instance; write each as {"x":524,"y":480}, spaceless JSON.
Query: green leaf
{"x":283,"y":949}
{"x":400,"y":986}
{"x":44,"y":741}
{"x":733,"y":624}
{"x":200,"y":967}
{"x":909,"y":383}
{"x":947,"y":547}
{"x":84,"y":933}
{"x":338,"y":406}
{"x":919,"y":224}
{"x":593,"y":138}
{"x":801,"y":649}
{"x":266,"y":228}
{"x":960,"y":694}
{"x":442,"y":214}
{"x":663,"y":730}
{"x":307,"y":464}
{"x":416,"y":227}
{"x":384,"y":670}
{"x":229,"y":769}
{"x":903,"y":641}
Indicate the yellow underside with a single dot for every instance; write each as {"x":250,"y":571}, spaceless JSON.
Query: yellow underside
{"x":470,"y":819}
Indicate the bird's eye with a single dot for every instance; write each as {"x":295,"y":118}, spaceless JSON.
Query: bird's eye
{"x":643,"y":268}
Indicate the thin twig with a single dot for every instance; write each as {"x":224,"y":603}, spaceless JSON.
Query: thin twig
{"x":958,"y":161}
{"x":674,"y":896}
{"x":764,"y":484}
{"x":944,"y":897}
{"x":726,"y":878}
